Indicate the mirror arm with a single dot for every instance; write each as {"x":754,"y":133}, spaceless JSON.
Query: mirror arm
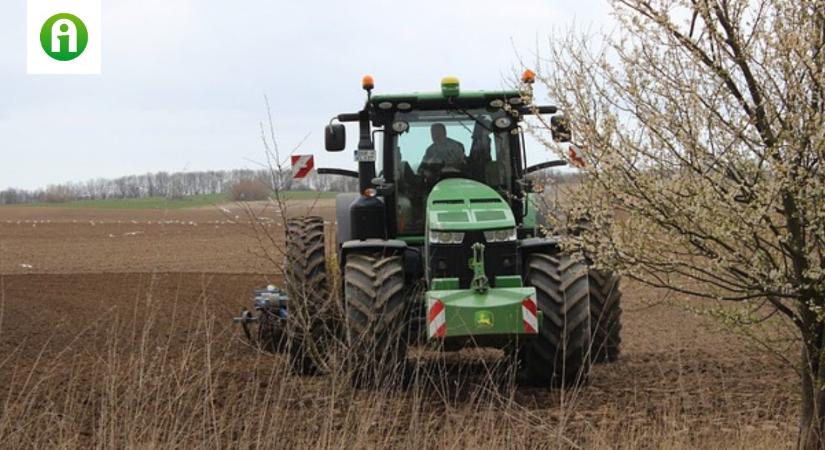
{"x":544,"y":165}
{"x":347,"y":117}
{"x":342,"y":172}
{"x":546,"y":109}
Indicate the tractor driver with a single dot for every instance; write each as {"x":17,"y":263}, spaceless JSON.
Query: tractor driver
{"x":444,"y":151}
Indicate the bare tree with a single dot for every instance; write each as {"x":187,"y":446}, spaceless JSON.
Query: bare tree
{"x":702,"y":129}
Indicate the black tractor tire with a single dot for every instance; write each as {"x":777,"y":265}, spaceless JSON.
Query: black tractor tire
{"x":605,"y":315}
{"x":560,"y":355}
{"x":306,"y":285}
{"x":376,"y":315}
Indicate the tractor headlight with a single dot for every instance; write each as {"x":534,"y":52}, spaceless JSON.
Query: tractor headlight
{"x":446,"y":237}
{"x":505,"y":235}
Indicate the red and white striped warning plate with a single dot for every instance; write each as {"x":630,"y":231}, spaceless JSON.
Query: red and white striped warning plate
{"x":436,"y":321}
{"x":302,"y":165}
{"x":529,"y":312}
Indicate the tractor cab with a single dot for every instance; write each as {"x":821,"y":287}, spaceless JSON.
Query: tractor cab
{"x":410,"y":143}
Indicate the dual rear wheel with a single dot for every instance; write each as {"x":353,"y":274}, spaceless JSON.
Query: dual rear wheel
{"x":605,"y":316}
{"x":374,"y":301}
{"x":311,"y":323}
{"x":581,"y":321}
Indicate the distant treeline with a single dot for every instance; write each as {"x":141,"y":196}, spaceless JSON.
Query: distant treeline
{"x":174,"y":185}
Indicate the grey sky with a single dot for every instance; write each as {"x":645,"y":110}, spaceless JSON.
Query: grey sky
{"x":183,"y":81}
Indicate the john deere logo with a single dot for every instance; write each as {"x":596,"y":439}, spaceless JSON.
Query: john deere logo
{"x":64,"y":37}
{"x":484,"y":319}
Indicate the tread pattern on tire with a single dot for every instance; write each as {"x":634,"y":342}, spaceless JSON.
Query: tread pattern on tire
{"x":306,"y":283}
{"x":376,"y":311}
{"x":560,"y":354}
{"x":605,"y":315}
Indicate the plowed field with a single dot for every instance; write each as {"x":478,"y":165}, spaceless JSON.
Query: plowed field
{"x":87,"y":296}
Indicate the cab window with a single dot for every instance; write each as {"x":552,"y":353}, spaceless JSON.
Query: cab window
{"x":442,"y":144}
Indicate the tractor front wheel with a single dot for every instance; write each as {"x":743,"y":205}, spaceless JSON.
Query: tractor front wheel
{"x":376,"y":317}
{"x":560,"y":354}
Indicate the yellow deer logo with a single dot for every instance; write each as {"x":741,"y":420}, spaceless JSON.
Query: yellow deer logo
{"x":484,"y":319}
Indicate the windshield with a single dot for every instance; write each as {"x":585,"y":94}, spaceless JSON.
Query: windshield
{"x":443,"y":144}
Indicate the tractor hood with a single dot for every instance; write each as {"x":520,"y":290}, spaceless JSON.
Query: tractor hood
{"x":458,"y":204}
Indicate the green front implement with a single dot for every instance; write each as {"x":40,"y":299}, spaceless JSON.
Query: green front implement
{"x":504,"y":311}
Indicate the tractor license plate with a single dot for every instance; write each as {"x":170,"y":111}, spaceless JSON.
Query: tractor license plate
{"x":365,"y":155}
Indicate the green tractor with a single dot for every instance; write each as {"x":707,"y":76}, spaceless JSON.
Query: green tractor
{"x":444,"y":242}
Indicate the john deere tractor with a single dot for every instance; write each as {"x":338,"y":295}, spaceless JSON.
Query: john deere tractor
{"x":444,"y":244}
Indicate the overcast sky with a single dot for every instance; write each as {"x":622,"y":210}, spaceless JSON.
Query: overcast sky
{"x":183,"y":80}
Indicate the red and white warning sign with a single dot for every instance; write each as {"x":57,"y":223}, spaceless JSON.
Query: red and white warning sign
{"x":302,"y":165}
{"x":573,"y":152}
{"x":529,"y":314}
{"x":436,"y":323}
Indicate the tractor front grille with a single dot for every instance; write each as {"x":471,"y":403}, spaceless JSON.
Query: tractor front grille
{"x":453,"y":261}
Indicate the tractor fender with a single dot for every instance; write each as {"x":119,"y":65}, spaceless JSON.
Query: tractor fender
{"x":546,"y":245}
{"x":343,"y":231}
{"x":385,"y":246}
{"x":391,"y":245}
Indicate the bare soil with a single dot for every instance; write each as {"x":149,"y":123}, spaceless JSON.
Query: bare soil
{"x":67,"y":275}
{"x":229,"y":238}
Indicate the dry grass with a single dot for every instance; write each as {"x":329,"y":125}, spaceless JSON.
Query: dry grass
{"x":151,"y":386}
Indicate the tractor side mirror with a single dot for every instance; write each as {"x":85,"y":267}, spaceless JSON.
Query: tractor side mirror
{"x":335,"y":137}
{"x":560,"y":127}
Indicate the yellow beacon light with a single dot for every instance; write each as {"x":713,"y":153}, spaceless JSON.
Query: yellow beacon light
{"x":367,"y":83}
{"x":528,"y":77}
{"x":449,"y":86}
